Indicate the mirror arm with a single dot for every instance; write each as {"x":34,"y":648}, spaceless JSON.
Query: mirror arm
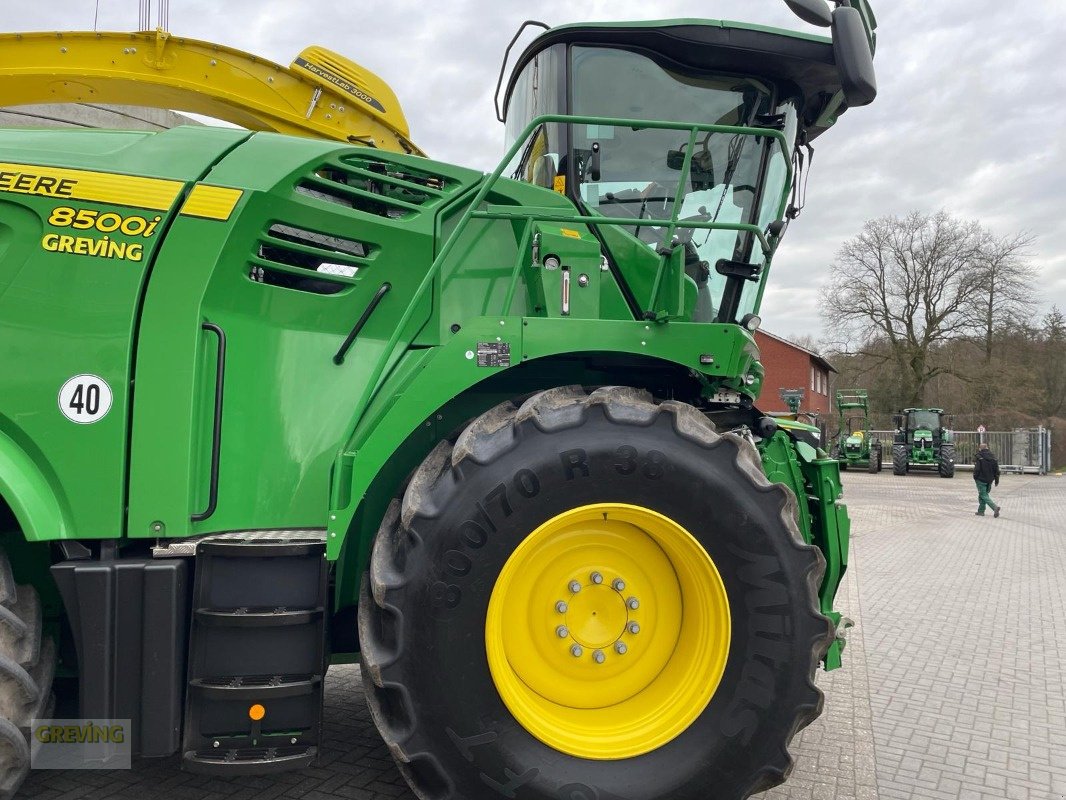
{"x":507,"y":55}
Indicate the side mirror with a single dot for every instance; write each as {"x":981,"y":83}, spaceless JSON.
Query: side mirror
{"x":853,"y":56}
{"x":816,"y":12}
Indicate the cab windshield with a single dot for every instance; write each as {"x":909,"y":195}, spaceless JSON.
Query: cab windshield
{"x":640,"y":168}
{"x":929,"y":420}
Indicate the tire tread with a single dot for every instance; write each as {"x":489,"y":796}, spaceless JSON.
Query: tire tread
{"x":27,"y":667}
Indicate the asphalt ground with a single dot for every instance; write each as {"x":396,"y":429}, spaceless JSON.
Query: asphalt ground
{"x":953,"y":685}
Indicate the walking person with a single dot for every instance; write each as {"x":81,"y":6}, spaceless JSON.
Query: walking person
{"x":985,"y":473}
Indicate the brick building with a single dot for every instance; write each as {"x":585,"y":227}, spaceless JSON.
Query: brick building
{"x":790,"y":366}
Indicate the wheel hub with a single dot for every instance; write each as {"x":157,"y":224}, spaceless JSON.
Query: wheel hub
{"x":597,"y":616}
{"x":608,"y":631}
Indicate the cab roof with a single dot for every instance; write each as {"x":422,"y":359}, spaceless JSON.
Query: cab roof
{"x":784,"y":57}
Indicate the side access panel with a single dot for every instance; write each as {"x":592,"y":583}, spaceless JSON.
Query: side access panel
{"x":81,"y":218}
{"x":316,"y":241}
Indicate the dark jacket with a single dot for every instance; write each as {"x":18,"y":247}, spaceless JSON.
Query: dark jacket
{"x":986,"y":468}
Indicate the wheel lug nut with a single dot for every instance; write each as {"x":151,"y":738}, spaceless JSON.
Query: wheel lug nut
{"x":596,"y":577}
{"x":576,"y":651}
{"x":562,"y":632}
{"x":620,"y":648}
{"x":599,"y":657}
{"x":574,"y":587}
{"x":618,"y":584}
{"x":561,"y":607}
{"x":634,"y":627}
{"x":633,"y":603}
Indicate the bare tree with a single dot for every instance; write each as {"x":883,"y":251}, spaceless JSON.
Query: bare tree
{"x":806,"y":340}
{"x":901,"y":287}
{"x":1052,"y":364}
{"x":1005,"y":287}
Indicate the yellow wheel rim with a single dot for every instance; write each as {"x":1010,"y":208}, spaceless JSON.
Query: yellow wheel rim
{"x":608,"y":631}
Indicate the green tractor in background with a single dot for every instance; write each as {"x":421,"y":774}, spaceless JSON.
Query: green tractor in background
{"x":923,"y":440}
{"x":855,"y":446}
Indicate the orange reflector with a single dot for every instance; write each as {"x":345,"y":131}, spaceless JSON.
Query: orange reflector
{"x":257,"y":712}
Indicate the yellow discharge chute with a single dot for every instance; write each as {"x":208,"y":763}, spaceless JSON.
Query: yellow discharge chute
{"x":321,"y":94}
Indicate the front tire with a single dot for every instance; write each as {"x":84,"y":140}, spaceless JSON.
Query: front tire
{"x":874,"y":466}
{"x":899,"y":459}
{"x":460,"y":613}
{"x":946,"y":461}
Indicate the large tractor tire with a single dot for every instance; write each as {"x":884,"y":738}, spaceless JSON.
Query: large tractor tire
{"x":593,"y":595}
{"x":946,"y":461}
{"x":899,"y":459}
{"x":876,"y":458}
{"x":27,"y":665}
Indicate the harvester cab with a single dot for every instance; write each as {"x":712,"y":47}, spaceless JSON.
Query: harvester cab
{"x":680,"y":141}
{"x":855,"y":446}
{"x":274,"y":401}
{"x":923,"y":440}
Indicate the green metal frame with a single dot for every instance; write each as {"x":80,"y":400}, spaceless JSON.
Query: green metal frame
{"x":528,"y":217}
{"x":768,"y":245}
{"x":823,"y":517}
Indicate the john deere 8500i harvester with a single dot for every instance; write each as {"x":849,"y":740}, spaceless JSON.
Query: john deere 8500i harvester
{"x":270,"y":402}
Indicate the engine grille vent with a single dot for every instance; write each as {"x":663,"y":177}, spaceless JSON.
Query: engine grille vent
{"x":286,"y":254}
{"x":325,"y":241}
{"x":385,"y":189}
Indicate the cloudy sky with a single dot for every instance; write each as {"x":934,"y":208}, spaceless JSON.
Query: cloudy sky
{"x":969,"y":116}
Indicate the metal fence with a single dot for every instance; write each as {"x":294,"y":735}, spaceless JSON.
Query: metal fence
{"x":1020,"y":450}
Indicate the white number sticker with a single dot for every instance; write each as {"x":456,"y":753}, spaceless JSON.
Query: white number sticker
{"x":84,"y":399}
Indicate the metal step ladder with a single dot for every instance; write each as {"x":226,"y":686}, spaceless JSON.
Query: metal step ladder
{"x":257,"y":655}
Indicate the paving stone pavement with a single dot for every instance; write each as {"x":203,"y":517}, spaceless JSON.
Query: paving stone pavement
{"x":953,"y":686}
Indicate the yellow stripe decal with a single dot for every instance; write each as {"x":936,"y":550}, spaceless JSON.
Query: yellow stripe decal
{"x":98,"y":187}
{"x":211,"y":202}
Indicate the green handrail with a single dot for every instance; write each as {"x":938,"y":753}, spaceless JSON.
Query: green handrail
{"x":392,"y":357}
